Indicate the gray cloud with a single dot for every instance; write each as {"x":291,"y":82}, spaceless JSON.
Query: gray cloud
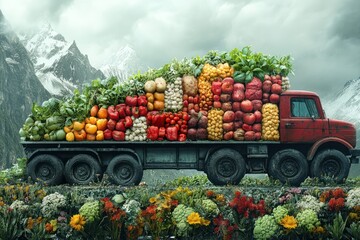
{"x":323,"y":36}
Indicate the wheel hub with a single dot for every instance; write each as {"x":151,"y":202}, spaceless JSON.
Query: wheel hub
{"x":226,"y":168}
{"x":289,"y":168}
{"x":45,"y":172}
{"x":330,"y":168}
{"x":82,"y":172}
{"x":124,"y":172}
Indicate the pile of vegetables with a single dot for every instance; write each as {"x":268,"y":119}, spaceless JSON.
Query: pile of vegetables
{"x":220,"y":96}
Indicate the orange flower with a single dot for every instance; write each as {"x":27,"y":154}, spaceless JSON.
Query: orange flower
{"x":30,"y":223}
{"x":289,"y":222}
{"x":48,"y":227}
{"x":77,"y":222}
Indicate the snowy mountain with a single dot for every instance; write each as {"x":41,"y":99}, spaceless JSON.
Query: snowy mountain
{"x":122,"y":63}
{"x":59,"y":65}
{"x":19,"y":88}
{"x":345,"y":105}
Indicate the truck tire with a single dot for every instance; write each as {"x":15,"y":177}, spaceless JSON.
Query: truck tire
{"x":225,"y":166}
{"x":82,"y":169}
{"x":46,"y":168}
{"x":124,"y":170}
{"x":330,"y":163}
{"x":288,"y":166}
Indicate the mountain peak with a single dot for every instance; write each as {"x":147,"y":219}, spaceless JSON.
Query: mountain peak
{"x":2,"y":18}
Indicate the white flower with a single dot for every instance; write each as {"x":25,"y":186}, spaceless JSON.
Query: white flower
{"x":309,"y":202}
{"x":19,"y":205}
{"x":353,"y":198}
{"x":52,"y":203}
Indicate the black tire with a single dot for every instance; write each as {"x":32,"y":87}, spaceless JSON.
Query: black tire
{"x":82,"y":169}
{"x":124,"y":170}
{"x":46,"y":168}
{"x":225,"y":166}
{"x":330,"y":163}
{"x":289,"y":166}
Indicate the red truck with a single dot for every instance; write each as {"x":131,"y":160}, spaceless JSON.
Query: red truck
{"x":310,"y":145}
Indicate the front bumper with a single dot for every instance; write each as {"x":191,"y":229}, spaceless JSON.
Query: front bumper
{"x":355,"y":155}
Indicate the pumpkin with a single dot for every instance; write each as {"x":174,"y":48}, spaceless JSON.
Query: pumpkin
{"x":159,"y":105}
{"x":159,"y":96}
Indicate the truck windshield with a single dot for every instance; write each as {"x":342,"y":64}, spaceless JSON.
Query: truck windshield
{"x":304,"y":107}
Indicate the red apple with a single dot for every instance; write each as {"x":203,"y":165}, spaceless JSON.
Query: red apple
{"x":191,"y":99}
{"x":273,"y":79}
{"x":228,"y":126}
{"x":239,"y":115}
{"x":236,"y":106}
{"x":267,"y":77}
{"x":227,"y":85}
{"x":191,"y":106}
{"x":257,"y":127}
{"x":217,"y":104}
{"x":229,"y":116}
{"x":257,"y":104}
{"x":186,"y":103}
{"x":216,"y":97}
{"x":238,"y":95}
{"x":246,"y":127}
{"x":266,"y":87}
{"x":216,"y":88}
{"x":249,"y":136}
{"x":249,"y":118}
{"x":258,"y":116}
{"x":276,"y":88}
{"x":246,"y":106}
{"x":196,"y":107}
{"x":258,"y":136}
{"x":238,"y":124}
{"x":274,"y":98}
{"x":196,"y":99}
{"x":266,"y":95}
{"x":239,"y":86}
{"x":229,"y":135}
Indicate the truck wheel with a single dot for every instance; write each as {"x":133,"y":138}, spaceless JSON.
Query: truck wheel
{"x":82,"y":169}
{"x":124,"y":170}
{"x":225,"y":166}
{"x":289,"y":166}
{"x":47,"y":168}
{"x":330,"y":163}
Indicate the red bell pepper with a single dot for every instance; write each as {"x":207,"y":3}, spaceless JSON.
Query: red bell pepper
{"x":153,"y":133}
{"x":111,"y":124}
{"x":184,"y":129}
{"x":142,"y":111}
{"x":118,"y":135}
{"x":107,"y":134}
{"x":112,"y":113}
{"x":162,"y":132}
{"x":182,"y":137}
{"x":128,"y":122}
{"x":120,"y":125}
{"x":142,"y":101}
{"x":158,"y":120}
{"x":128,"y":111}
{"x":172,"y":133}
{"x":131,"y":101}
{"x":121,"y":109}
{"x":135,"y":112}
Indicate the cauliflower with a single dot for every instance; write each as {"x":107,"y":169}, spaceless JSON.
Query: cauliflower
{"x":51,"y":204}
{"x":279,"y":213}
{"x":265,"y":227}
{"x":308,"y":219}
{"x":90,"y":211}
{"x":211,"y":209}
{"x":180,"y":214}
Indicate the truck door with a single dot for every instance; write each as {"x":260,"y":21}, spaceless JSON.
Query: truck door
{"x":305,"y":121}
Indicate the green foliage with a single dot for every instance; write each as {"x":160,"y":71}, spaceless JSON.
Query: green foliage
{"x":11,"y":224}
{"x":15,"y":173}
{"x":336,"y":230}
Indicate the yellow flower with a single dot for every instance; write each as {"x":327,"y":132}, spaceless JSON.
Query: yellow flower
{"x":152,"y":200}
{"x":354,"y":216}
{"x":220,"y":198}
{"x":289,"y":222}
{"x":77,"y":222}
{"x":54,"y":224}
{"x":194,"y":218}
{"x":319,"y":229}
{"x":204,"y":222}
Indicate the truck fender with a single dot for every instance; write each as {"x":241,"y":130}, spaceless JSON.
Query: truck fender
{"x":209,"y":152}
{"x":131,"y":152}
{"x":57,"y":151}
{"x":316,"y":145}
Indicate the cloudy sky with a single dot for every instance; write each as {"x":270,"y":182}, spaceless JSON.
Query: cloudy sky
{"x":322,"y":36}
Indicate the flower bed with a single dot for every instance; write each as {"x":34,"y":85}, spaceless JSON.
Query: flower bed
{"x":185,"y":208}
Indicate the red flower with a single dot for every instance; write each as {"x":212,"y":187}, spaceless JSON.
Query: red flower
{"x":210,"y":193}
{"x":336,"y":204}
